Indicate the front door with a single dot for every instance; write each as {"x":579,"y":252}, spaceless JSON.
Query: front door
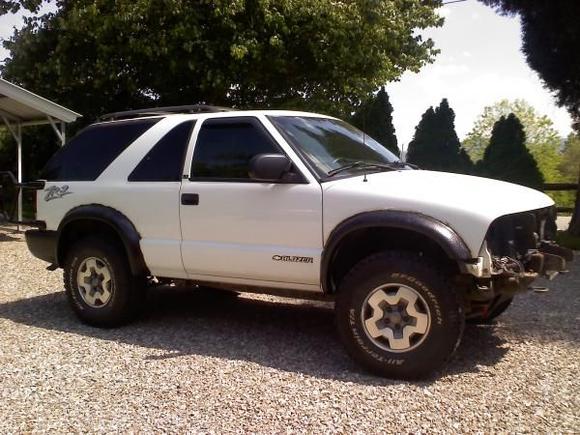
{"x":238,"y":230}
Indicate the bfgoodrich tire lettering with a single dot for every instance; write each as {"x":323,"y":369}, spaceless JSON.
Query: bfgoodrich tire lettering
{"x":125,"y":293}
{"x":434,"y":343}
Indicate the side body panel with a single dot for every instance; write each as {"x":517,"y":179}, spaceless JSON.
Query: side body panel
{"x":152,"y":207}
{"x":247,"y":230}
{"x":265,"y":234}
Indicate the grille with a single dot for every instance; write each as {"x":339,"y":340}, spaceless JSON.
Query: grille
{"x":514,"y":235}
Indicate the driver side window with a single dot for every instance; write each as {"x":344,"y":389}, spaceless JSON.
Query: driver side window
{"x":225,"y":147}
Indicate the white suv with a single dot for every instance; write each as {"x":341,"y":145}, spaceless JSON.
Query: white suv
{"x":295,"y":204}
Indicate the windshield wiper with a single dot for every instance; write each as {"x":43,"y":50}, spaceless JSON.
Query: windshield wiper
{"x":394,"y":166}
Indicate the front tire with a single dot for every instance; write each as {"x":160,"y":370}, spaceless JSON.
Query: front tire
{"x":99,"y":284}
{"x":398,"y":316}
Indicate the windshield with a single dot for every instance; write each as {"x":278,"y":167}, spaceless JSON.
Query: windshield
{"x":331,"y":144}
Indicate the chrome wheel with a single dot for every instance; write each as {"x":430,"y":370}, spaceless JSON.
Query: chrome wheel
{"x":396,"y":318}
{"x":94,"y":282}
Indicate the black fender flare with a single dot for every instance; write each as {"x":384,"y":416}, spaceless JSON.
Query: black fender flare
{"x":118,"y":222}
{"x":441,"y":233}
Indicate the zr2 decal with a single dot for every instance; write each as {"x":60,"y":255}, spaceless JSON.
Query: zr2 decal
{"x":55,"y":192}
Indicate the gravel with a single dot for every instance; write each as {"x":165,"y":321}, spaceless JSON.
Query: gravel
{"x":201,"y":363}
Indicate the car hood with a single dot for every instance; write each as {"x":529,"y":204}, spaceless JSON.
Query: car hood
{"x":467,"y":204}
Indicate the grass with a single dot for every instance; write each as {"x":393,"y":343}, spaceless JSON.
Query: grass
{"x":568,"y":240}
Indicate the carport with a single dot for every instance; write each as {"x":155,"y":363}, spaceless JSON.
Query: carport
{"x":20,"y":108}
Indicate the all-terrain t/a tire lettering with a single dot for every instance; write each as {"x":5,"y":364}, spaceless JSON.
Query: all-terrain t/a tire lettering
{"x":398,"y":316}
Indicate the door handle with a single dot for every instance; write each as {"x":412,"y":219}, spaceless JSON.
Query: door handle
{"x":189,"y":199}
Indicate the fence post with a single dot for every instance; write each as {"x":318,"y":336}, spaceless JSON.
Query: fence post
{"x":574,"y":228}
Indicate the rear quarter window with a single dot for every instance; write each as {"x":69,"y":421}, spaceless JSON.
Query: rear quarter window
{"x":164,"y":162}
{"x":91,"y":151}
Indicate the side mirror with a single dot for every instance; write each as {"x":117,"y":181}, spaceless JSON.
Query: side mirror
{"x":269,"y":167}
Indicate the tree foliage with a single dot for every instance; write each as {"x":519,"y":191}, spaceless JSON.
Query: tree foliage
{"x":97,"y":56}
{"x":542,"y":139}
{"x":551,"y":41}
{"x":507,"y":158}
{"x":435,"y":144}
{"x":38,"y":145}
{"x":570,"y":165}
{"x":569,"y":168}
{"x":375,"y":117}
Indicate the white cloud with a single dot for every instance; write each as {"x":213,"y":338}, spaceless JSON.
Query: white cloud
{"x":491,"y":68}
{"x":449,"y":69}
{"x":444,"y":11}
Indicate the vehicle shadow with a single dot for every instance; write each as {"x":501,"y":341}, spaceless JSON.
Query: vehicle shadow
{"x":287,"y":336}
{"x":9,"y":234}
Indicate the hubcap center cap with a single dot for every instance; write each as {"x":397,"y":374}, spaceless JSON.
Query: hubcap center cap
{"x":94,"y":281}
{"x":396,"y":317}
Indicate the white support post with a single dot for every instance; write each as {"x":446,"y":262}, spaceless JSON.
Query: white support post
{"x":62,"y":133}
{"x":59,"y":133}
{"x":18,"y":137}
{"x":16,"y":132}
{"x":9,"y":126}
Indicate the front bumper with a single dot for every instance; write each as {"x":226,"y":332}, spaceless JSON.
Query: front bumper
{"x":43,"y":244}
{"x":518,"y":248}
{"x":510,"y":276}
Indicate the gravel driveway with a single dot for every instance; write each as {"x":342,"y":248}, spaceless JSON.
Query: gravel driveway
{"x":198,"y":363}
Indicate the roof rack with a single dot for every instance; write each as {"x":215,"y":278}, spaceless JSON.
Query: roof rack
{"x":196,"y":108}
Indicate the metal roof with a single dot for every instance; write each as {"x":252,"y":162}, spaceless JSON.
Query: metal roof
{"x":26,"y":108}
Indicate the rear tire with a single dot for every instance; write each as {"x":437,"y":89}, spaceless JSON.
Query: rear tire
{"x":398,"y":316}
{"x":99,"y":284}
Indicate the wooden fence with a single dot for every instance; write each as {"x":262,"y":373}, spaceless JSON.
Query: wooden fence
{"x":562,"y":187}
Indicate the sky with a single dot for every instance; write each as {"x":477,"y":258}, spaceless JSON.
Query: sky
{"x":480,"y":63}
{"x":10,"y":21}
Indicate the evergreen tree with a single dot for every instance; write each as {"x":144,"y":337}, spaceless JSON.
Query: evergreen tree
{"x":542,"y":139}
{"x":419,"y":151}
{"x":466,"y":165}
{"x":507,"y":158}
{"x":375,"y":117}
{"x":435,"y":144}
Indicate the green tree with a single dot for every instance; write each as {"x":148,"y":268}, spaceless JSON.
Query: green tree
{"x":542,"y":139}
{"x":507,"y":158}
{"x":570,"y":165}
{"x":551,"y":37}
{"x":466,"y":164}
{"x":107,"y":55}
{"x":570,"y":170}
{"x":375,"y":117}
{"x":435,"y":144}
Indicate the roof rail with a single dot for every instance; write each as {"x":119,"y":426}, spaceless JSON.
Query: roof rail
{"x":196,"y":108}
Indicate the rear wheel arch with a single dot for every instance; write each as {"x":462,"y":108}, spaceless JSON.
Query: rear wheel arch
{"x":93,"y":219}
{"x":367,"y":233}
